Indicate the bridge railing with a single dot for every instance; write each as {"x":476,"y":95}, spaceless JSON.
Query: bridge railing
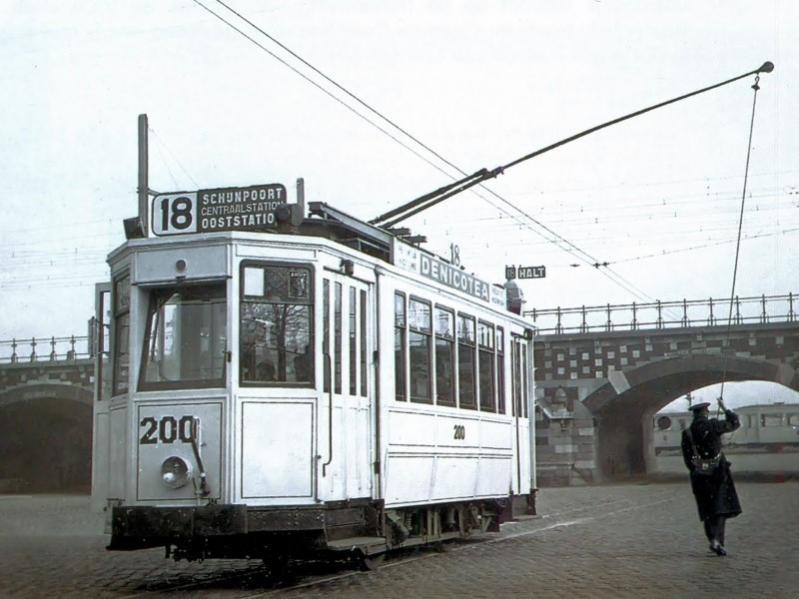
{"x":45,"y":349}
{"x":666,"y":314}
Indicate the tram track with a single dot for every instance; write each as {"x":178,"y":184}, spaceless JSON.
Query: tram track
{"x":253,"y":582}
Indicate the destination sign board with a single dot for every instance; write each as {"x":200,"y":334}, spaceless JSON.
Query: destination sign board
{"x":433,"y":267}
{"x":525,"y":272}
{"x":210,"y":210}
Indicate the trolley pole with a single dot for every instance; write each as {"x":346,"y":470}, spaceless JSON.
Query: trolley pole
{"x":143,"y":188}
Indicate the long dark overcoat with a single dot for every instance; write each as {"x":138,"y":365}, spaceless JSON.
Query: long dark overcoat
{"x":715,"y":494}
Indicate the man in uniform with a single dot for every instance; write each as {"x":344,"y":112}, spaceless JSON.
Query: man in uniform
{"x":713,"y":487}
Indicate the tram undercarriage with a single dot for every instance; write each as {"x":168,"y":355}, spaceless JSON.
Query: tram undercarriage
{"x":361,"y":529}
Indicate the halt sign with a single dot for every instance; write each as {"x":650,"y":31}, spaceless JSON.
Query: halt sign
{"x":525,"y":272}
{"x":209,"y":210}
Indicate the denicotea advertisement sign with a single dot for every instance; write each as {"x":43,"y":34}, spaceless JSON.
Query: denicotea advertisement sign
{"x":210,"y":210}
{"x":432,"y":267}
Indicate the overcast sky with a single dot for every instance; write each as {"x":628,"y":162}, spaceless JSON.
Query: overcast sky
{"x":481,"y":83}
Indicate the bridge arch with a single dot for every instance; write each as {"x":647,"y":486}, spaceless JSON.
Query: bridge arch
{"x":45,"y":438}
{"x":624,"y":406}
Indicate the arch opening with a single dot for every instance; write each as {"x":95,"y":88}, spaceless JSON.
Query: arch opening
{"x":45,"y":444}
{"x":625,"y":420}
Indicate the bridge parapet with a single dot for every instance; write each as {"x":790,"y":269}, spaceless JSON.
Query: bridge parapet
{"x":666,"y":314}
{"x":43,"y":349}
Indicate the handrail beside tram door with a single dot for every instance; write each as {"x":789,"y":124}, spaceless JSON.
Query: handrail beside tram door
{"x":329,"y":364}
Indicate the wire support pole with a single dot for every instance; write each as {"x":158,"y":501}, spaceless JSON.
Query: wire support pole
{"x":756,"y":88}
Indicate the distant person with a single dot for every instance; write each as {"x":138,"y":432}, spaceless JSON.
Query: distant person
{"x":711,"y":480}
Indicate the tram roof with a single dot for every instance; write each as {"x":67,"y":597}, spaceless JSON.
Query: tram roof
{"x":394,"y":246}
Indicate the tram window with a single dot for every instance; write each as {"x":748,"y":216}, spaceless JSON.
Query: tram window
{"x":466,"y":362}
{"x":101,"y":348}
{"x":516,"y":378}
{"x":792,"y":419}
{"x":524,"y":380}
{"x":185,"y":338}
{"x":770,"y":419}
{"x":399,"y":346}
{"x":121,"y":335}
{"x":363,"y":342}
{"x":445,"y":357}
{"x":338,"y":341}
{"x":485,"y":337}
{"x":326,"y":333}
{"x":276,"y":330}
{"x":500,"y":370}
{"x":419,"y":341}
{"x":254,"y":281}
{"x":353,"y":348}
{"x":519,"y":378}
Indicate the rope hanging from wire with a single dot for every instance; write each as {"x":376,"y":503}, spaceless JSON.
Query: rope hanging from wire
{"x":756,"y":88}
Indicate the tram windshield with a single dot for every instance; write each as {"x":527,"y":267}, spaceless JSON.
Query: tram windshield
{"x":186,"y":338}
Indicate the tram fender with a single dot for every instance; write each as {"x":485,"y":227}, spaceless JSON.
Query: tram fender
{"x":137,"y":527}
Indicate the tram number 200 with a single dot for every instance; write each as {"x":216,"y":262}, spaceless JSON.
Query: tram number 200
{"x":166,"y":430}
{"x":459,"y":431}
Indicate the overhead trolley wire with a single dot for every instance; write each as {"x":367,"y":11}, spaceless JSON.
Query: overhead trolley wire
{"x":397,"y":127}
{"x":320,"y":88}
{"x":557,"y":239}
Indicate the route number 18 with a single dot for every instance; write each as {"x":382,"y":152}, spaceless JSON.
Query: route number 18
{"x":175,"y":213}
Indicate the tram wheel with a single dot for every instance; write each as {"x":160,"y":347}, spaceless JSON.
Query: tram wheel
{"x":367,"y":563}
{"x":279,"y":568}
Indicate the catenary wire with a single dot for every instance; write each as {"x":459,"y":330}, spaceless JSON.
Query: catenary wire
{"x":585,"y":256}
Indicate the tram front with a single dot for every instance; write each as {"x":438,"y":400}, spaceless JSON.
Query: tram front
{"x":205,"y":420}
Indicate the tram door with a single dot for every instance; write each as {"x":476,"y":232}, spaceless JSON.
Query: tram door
{"x":520,"y":394}
{"x":99,"y":347}
{"x":346,"y":426}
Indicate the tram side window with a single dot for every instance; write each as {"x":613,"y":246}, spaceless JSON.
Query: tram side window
{"x":185,"y":338}
{"x":445,"y":357}
{"x":485,"y":338}
{"x":419,"y":342}
{"x":500,"y":370}
{"x":121,"y":335}
{"x":399,"y":346}
{"x":276,"y":325}
{"x":466,"y":362}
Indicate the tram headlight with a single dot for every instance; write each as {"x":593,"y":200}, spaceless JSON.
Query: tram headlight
{"x":175,"y":472}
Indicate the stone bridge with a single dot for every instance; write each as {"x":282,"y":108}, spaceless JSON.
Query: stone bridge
{"x":603,"y":372}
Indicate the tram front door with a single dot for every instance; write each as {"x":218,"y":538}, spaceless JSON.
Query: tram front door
{"x":345,"y":415}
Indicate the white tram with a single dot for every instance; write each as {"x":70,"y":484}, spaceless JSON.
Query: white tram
{"x":316,"y":386}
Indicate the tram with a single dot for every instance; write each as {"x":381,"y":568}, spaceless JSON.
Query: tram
{"x":765,"y":445}
{"x":281,"y":383}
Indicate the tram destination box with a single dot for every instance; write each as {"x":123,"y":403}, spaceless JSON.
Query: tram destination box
{"x":250,"y":208}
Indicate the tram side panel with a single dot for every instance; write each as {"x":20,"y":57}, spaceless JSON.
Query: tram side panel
{"x":440,"y":454}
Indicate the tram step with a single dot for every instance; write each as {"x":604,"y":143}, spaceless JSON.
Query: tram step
{"x":368,"y":545}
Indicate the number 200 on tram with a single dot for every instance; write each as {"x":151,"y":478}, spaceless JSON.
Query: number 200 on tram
{"x":314,"y":387}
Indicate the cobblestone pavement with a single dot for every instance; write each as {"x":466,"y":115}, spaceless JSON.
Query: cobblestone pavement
{"x":609,"y":541}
